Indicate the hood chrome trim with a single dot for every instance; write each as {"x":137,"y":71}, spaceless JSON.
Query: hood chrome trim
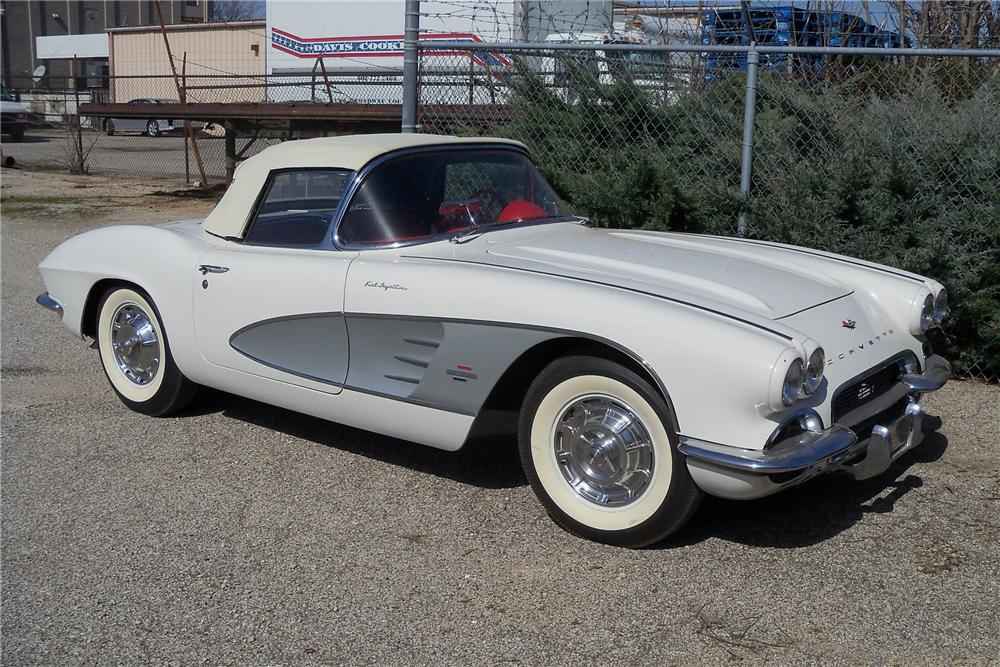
{"x":690,"y":304}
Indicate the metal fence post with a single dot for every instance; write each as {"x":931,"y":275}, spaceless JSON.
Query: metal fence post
{"x":410,"y":63}
{"x":749,"y":115}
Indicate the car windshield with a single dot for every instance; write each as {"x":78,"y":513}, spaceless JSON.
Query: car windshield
{"x":418,"y":197}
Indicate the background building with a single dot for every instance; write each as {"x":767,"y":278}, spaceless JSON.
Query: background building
{"x":223,"y":62}
{"x":48,"y":33}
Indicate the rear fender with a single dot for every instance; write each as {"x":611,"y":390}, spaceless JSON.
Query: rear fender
{"x":159,"y":260}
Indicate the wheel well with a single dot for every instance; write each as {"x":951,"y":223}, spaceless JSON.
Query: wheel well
{"x":88,"y":321}
{"x":500,"y":411}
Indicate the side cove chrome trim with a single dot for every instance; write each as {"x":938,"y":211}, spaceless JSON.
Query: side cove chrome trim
{"x":671,"y":299}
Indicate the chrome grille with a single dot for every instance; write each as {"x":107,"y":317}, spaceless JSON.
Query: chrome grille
{"x":867,"y":388}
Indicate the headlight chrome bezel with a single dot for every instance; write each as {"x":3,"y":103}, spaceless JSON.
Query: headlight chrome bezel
{"x":791,"y":386}
{"x":927,"y":313}
{"x":793,"y":378}
{"x":940,"y":306}
{"x":813,"y":373}
{"x":922,"y":312}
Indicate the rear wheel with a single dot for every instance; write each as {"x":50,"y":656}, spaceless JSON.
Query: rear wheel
{"x":152,"y":129}
{"x":136,"y":356}
{"x":597,"y":446}
{"x":109,"y":127}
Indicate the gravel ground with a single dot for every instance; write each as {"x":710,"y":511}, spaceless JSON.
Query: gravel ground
{"x":238,"y":533}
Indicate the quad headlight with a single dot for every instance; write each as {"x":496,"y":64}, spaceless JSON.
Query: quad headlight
{"x":814,"y":371}
{"x":928,"y":310}
{"x":795,"y":379}
{"x":793,"y":383}
{"x":940,"y":306}
{"x":922,"y":312}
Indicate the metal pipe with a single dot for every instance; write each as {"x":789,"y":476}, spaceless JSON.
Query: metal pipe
{"x":458,"y":45}
{"x":231,"y":155}
{"x":749,"y":114}
{"x":411,"y":55}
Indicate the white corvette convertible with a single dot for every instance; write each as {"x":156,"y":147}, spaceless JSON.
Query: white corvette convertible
{"x":412,"y":284}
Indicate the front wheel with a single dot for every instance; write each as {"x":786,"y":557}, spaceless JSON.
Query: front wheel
{"x":153,"y":128}
{"x":600,"y":453}
{"x":136,"y":356}
{"x":109,"y":127}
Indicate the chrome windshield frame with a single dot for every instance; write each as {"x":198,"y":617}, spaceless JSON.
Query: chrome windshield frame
{"x":361,"y":174}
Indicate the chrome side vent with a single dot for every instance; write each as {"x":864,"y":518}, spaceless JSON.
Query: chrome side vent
{"x":415,"y":361}
{"x":426,"y":342}
{"x":402,"y":378}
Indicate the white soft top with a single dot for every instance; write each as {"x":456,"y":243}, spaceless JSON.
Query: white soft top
{"x":230,"y":216}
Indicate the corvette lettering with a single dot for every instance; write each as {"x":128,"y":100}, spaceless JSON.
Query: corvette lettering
{"x":832,"y":359}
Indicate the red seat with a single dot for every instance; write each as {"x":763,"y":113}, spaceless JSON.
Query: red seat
{"x":521,"y":209}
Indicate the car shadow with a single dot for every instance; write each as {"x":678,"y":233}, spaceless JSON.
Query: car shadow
{"x":797,"y":517}
{"x":811,"y":513}
{"x":486,"y":461}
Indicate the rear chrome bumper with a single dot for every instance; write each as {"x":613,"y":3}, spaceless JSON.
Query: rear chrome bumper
{"x":47,"y":302}
{"x":732,"y":472}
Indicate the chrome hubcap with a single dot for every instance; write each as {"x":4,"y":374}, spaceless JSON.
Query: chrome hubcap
{"x":134,"y":344}
{"x":604,"y":450}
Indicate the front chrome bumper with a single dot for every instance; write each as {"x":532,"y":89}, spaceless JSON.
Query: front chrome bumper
{"x":732,"y":472}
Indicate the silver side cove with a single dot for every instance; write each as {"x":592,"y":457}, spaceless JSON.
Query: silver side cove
{"x":440,"y":364}
{"x":448,"y":365}
{"x":312,"y":346}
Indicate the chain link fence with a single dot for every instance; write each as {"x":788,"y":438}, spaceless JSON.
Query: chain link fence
{"x":892,"y":155}
{"x":155,"y":145}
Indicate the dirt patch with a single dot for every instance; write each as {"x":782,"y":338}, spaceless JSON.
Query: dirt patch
{"x":49,"y":196}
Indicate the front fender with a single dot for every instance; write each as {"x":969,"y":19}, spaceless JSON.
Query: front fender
{"x":714,"y":368}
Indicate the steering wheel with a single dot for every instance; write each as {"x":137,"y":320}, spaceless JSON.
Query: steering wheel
{"x":493,"y":194}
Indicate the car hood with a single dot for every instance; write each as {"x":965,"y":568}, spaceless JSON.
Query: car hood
{"x":679,"y":266}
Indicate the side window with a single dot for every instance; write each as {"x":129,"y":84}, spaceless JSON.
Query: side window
{"x":397,"y":202}
{"x":298,"y":208}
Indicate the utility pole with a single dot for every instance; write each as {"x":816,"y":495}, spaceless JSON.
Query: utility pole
{"x":749,"y":116}
{"x":181,"y":96}
{"x":411,"y":62}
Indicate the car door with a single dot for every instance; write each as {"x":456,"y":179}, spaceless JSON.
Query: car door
{"x":273,"y":305}
{"x":131,"y":124}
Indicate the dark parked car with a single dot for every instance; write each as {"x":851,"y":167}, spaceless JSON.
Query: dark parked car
{"x":13,"y":115}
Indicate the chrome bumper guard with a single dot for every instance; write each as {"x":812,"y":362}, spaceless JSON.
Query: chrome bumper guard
{"x":47,"y":302}
{"x":732,"y":472}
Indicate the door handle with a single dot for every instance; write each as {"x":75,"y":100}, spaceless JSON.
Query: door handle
{"x":212,"y":268}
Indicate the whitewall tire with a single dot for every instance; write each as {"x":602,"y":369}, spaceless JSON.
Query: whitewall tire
{"x":136,"y":356}
{"x":600,"y":452}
